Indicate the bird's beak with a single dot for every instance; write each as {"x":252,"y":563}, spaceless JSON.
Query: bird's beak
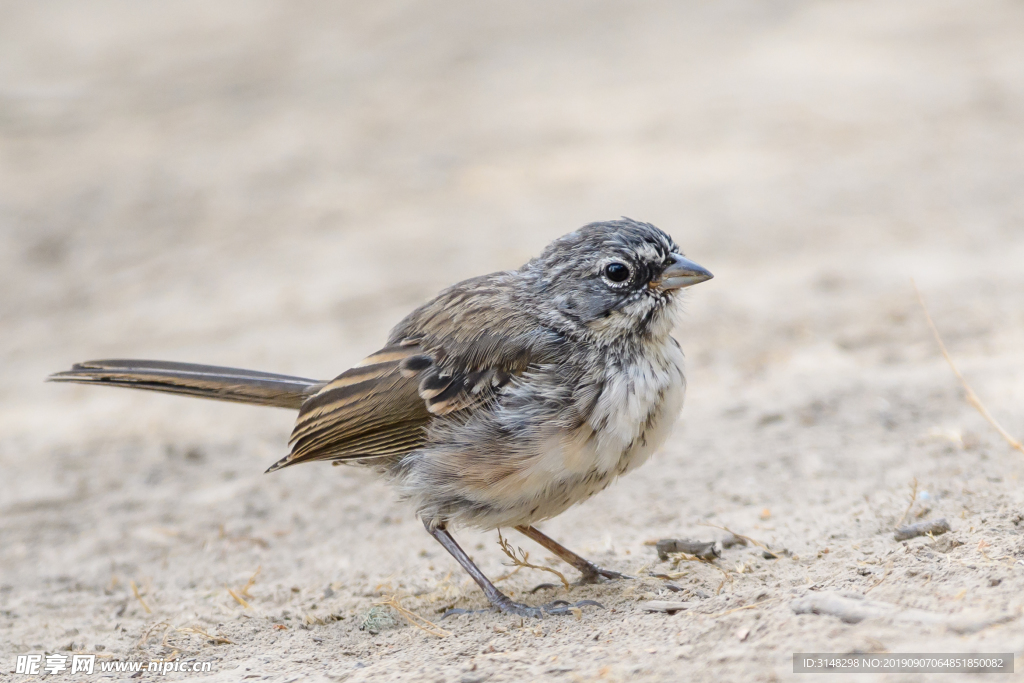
{"x":682,"y":273}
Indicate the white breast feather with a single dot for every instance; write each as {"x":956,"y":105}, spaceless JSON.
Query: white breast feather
{"x":632,"y":418}
{"x":637,"y":408}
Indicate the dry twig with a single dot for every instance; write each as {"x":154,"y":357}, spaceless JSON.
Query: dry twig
{"x":748,"y":539}
{"x":144,"y":638}
{"x":195,"y":630}
{"x":250,"y":583}
{"x":413,"y":618}
{"x":238,"y":598}
{"x":885,"y":575}
{"x":508,"y":575}
{"x":913,"y":499}
{"x":522,"y":559}
{"x":969,"y":394}
{"x":135,"y":589}
{"x":683,"y":557}
{"x":242,"y":593}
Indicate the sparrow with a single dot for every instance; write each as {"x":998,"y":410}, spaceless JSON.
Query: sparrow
{"x":503,"y":401}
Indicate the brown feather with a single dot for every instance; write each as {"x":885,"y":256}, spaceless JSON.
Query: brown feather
{"x":451,"y":355}
{"x":193,"y":379}
{"x":369,"y":411}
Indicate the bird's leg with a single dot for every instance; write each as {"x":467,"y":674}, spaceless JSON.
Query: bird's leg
{"x":499,"y":600}
{"x":588,"y":569}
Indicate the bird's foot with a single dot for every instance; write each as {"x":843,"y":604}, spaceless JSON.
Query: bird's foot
{"x":592,"y":574}
{"x":557,"y":607}
{"x":552,"y":608}
{"x":595,"y":574}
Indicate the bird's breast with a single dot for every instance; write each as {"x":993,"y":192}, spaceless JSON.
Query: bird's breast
{"x":638,"y":402}
{"x":527,"y":460}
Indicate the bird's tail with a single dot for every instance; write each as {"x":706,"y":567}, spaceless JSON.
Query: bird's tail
{"x":204,"y":381}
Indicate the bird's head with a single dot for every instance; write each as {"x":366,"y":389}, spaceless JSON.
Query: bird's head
{"x":612,"y":280}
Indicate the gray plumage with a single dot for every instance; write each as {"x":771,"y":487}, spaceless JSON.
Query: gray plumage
{"x":191,"y":379}
{"x":504,"y":400}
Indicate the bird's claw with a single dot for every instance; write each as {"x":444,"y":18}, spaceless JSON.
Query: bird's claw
{"x":598,"y":573}
{"x":541,"y":587}
{"x":555,"y":607}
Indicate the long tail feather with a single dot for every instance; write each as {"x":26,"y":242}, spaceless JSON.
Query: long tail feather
{"x":204,"y":381}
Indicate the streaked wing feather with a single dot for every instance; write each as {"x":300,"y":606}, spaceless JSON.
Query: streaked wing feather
{"x":461,"y":390}
{"x":396,"y":439}
{"x":455,"y":353}
{"x":369,"y":411}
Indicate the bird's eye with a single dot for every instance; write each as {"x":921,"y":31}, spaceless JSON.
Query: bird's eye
{"x":616,"y":272}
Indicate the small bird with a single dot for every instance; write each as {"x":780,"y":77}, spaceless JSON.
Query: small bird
{"x":503,"y":401}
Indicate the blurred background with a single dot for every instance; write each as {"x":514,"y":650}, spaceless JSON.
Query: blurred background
{"x":275,"y":184}
{"x":306,"y":165}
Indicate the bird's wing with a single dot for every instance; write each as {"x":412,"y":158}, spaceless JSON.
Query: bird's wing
{"x":454,"y":354}
{"x":371,"y":410}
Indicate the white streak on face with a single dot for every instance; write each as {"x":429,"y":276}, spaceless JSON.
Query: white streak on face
{"x":649,"y":253}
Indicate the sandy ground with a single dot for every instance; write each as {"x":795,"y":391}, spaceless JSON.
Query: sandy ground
{"x":274,"y":185}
